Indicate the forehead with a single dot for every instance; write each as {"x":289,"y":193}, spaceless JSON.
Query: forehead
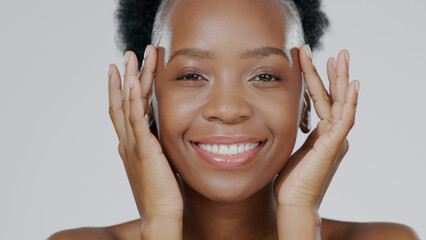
{"x":225,"y":26}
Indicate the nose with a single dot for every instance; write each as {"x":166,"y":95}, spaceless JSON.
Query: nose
{"x":227,"y":104}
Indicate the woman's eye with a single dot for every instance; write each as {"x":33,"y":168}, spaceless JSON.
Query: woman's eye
{"x":190,"y":77}
{"x":267,"y":77}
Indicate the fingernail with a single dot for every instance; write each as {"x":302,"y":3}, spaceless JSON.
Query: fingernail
{"x":308,"y":51}
{"x":126,"y":57}
{"x":109,"y":71}
{"x":146,"y":53}
{"x":347,"y":57}
{"x":132,"y":81}
{"x":357,"y":86}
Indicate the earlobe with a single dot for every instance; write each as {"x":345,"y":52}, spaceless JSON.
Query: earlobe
{"x":305,"y":123}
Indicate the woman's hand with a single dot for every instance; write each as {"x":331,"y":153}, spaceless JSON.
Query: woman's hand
{"x":302,"y":183}
{"x":154,"y":185}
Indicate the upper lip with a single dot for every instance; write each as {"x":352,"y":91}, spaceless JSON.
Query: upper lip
{"x":228,"y":140}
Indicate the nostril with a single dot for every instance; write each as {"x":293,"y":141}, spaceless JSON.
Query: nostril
{"x":226,"y":114}
{"x":229,"y":120}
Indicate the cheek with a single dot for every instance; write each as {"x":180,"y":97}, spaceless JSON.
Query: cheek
{"x":284,"y":124}
{"x":279,"y":113}
{"x":177,"y":112}
{"x":282,"y":119}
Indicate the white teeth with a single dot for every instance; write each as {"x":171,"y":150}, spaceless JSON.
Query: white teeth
{"x":215,"y":149}
{"x":223,"y":149}
{"x":253,"y":145}
{"x":241,"y":148}
{"x":228,"y":150}
{"x":232,"y":149}
{"x":209,"y":147}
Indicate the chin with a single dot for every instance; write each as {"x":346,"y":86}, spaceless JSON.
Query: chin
{"x":227,"y":189}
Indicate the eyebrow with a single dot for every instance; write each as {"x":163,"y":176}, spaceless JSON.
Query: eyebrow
{"x":251,"y":53}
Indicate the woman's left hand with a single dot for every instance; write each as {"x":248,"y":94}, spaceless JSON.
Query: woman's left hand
{"x":300,"y":186}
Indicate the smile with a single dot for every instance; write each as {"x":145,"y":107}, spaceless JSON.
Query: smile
{"x":226,"y":152}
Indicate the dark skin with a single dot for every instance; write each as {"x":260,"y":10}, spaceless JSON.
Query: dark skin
{"x":227,"y":98}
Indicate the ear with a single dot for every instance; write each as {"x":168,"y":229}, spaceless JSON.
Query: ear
{"x":151,"y":118}
{"x":305,"y":123}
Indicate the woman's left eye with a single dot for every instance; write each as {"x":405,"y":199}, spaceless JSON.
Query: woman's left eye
{"x":264,"y":77}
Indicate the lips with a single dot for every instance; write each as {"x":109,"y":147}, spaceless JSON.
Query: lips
{"x":228,"y":152}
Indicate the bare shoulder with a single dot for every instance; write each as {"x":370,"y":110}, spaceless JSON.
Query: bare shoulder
{"x":124,"y":231}
{"x":332,"y":229}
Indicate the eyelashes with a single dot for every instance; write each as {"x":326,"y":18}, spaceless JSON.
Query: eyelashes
{"x":262,"y":77}
{"x":189,"y":75}
{"x":269,"y":77}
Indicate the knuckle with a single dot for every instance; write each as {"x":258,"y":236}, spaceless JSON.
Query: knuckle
{"x":133,"y":99}
{"x":134,"y":121}
{"x":112,"y":111}
{"x":339,"y":99}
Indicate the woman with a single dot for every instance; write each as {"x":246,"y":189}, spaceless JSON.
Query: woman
{"x":223,"y":113}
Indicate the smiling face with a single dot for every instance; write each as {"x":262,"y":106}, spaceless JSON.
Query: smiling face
{"x":225,"y":83}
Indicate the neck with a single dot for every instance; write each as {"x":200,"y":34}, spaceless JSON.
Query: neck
{"x":251,"y":218}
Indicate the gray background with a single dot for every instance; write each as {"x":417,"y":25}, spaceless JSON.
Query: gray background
{"x":59,"y":164}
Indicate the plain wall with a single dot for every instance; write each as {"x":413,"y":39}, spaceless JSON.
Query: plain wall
{"x":59,"y":164}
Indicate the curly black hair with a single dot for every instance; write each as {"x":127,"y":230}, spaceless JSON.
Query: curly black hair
{"x":136,"y":19}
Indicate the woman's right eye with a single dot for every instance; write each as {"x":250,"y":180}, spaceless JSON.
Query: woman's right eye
{"x":189,"y":77}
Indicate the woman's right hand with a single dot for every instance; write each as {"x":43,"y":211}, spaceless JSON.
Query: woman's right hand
{"x":154,"y":185}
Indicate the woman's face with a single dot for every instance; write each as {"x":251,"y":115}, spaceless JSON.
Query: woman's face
{"x":230,"y":90}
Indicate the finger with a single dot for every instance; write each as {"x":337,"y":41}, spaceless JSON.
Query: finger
{"x":147,"y":75}
{"x":329,"y":144}
{"x":342,"y":82}
{"x":347,"y":118}
{"x":138,"y":122}
{"x":136,"y":114}
{"x":115,"y":100}
{"x":131,"y":66}
{"x":331,"y":72}
{"x":316,"y":88}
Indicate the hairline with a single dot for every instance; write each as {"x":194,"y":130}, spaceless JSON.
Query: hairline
{"x":294,"y":31}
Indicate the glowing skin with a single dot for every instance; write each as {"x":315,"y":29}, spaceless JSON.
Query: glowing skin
{"x":228,"y":98}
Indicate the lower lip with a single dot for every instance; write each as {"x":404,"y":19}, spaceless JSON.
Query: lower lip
{"x":223,"y":161}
